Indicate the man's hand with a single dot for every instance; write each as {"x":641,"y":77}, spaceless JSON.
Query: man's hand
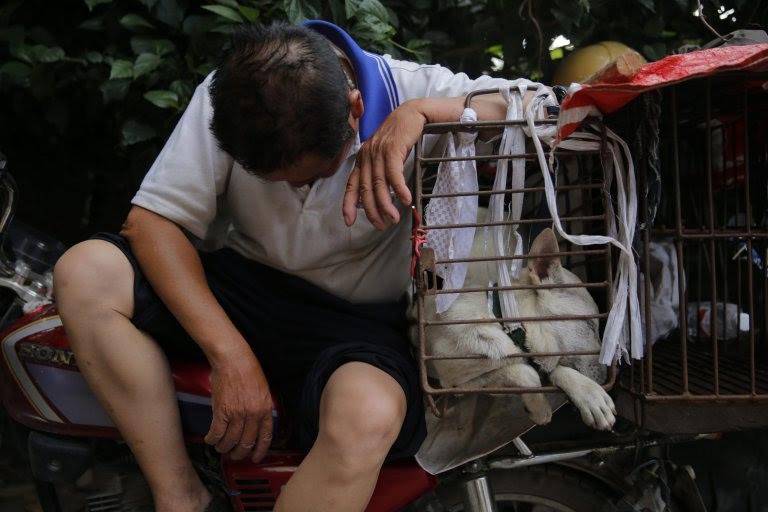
{"x":379,"y":166}
{"x":242,"y":407}
{"x":379,"y":163}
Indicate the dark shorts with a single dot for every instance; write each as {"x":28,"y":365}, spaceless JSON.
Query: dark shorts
{"x":300,"y":333}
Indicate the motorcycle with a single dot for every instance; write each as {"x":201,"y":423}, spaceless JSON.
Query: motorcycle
{"x":62,"y":437}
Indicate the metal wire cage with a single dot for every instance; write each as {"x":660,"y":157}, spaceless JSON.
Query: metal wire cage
{"x":583,"y":207}
{"x":714,"y":214}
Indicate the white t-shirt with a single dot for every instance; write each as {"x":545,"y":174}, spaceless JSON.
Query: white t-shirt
{"x":301,"y":230}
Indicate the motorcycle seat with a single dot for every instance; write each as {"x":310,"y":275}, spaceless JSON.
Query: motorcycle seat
{"x":192,"y":377}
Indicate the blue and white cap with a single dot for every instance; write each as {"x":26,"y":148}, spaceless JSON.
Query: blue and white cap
{"x":373,"y":75}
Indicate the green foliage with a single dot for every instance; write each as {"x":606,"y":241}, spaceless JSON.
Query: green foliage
{"x":92,"y":88}
{"x":159,"y":49}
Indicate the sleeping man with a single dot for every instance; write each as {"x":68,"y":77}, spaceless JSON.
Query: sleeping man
{"x":296,"y":131}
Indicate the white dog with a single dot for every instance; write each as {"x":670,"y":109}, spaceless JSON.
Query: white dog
{"x":577,"y":376}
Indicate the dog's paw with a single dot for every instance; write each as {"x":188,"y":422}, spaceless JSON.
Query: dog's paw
{"x":595,"y":405}
{"x":538,"y":408}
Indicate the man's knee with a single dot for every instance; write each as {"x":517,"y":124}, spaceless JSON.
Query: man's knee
{"x":91,"y":276}
{"x":362,"y":411}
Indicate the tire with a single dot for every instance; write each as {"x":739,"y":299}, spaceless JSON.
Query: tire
{"x":546,"y":488}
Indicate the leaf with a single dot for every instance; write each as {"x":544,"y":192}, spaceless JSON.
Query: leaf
{"x":134,"y":132}
{"x":196,"y":25}
{"x":225,"y":29}
{"x":225,"y":12}
{"x":144,"y":44}
{"x":338,"y":13}
{"x":301,"y":10}
{"x":205,"y":68}
{"x":47,"y":55}
{"x":496,"y":50}
{"x":134,"y":22}
{"x":229,"y":3}
{"x":94,"y":57}
{"x":15,"y":69}
{"x":23,"y":52}
{"x":648,"y":4}
{"x":360,"y":8}
{"x":394,"y":20}
{"x":115,"y":90}
{"x":121,"y":69}
{"x":170,"y":12}
{"x":96,"y":23}
{"x":162,"y":98}
{"x":93,"y":3}
{"x":183,"y":88}
{"x":145,"y":63}
{"x":249,"y":13}
{"x":421,"y":49}
{"x":37,"y":53}
{"x":373,"y":29}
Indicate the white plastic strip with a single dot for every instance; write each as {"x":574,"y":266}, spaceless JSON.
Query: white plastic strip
{"x":454,"y":243}
{"x":625,"y":300}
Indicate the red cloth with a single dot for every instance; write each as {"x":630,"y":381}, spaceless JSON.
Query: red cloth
{"x":597,"y":98}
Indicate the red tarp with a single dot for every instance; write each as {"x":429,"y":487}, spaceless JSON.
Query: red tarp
{"x":604,"y":98}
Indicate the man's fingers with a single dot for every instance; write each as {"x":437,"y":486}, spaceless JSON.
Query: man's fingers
{"x":231,"y":436}
{"x":248,"y":439}
{"x":366,"y":192}
{"x":264,"y":439}
{"x":396,"y":178}
{"x":217,"y":430}
{"x":381,"y":189}
{"x":351,"y":196}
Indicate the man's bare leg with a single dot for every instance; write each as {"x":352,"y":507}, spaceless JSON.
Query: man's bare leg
{"x":126,"y":370}
{"x":361,"y":411}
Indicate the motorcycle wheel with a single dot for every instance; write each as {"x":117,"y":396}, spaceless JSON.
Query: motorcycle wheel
{"x":544,"y":488}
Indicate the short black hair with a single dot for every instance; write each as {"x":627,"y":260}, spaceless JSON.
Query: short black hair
{"x":279,"y":92}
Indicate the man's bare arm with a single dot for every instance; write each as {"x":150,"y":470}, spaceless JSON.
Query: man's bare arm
{"x":379,"y":163}
{"x":242,"y":407}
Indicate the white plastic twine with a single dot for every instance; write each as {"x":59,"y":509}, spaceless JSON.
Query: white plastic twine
{"x":625,"y":296}
{"x":512,"y":142}
{"x":454,"y":243}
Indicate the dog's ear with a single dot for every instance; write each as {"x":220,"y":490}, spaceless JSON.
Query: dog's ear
{"x":539,"y":264}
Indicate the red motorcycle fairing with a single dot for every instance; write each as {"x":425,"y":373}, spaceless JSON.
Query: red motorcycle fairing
{"x":43,"y":389}
{"x":255,"y":487}
{"x":46,"y":391}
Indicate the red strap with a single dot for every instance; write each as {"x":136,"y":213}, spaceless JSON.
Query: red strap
{"x":418,"y":237}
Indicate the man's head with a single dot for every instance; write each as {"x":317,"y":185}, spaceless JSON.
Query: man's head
{"x":282,"y":106}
